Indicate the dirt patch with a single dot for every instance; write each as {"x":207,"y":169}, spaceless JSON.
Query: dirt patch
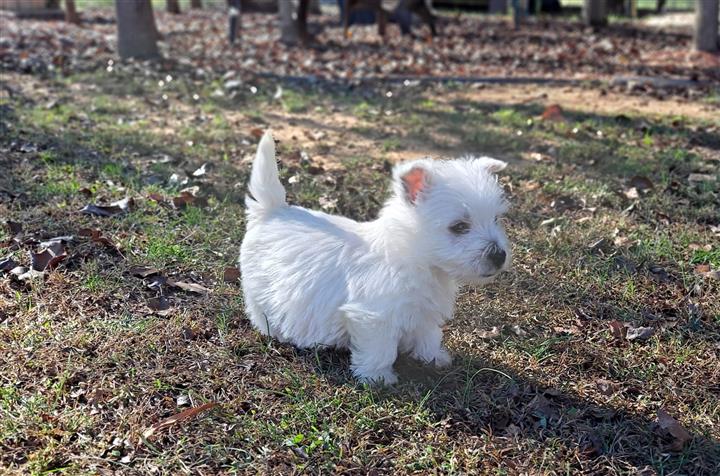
{"x":591,"y":101}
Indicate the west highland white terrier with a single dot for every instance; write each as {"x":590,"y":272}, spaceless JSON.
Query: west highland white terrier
{"x":380,"y":287}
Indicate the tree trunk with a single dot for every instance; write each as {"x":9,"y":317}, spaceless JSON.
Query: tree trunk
{"x":498,"y":7}
{"x":196,"y":4}
{"x":172,"y":6}
{"x":71,"y":14}
{"x":706,"y":25}
{"x":315,"y":7}
{"x":288,"y":26}
{"x":234,"y":19}
{"x":137,"y":33}
{"x":519,"y":10}
{"x":302,"y":16}
{"x":594,"y":12}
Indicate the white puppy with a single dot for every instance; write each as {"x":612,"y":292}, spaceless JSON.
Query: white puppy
{"x":377,"y":288}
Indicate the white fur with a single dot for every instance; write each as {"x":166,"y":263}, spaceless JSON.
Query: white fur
{"x":377,"y":288}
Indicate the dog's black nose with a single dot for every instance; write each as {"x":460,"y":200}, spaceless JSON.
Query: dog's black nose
{"x":497,"y":256}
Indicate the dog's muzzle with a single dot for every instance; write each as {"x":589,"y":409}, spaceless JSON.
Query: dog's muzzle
{"x":496,"y":256}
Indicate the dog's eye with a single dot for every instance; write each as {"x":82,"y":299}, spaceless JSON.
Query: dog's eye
{"x":460,"y":227}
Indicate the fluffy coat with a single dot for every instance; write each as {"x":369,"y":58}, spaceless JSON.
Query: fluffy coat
{"x":380,"y":287}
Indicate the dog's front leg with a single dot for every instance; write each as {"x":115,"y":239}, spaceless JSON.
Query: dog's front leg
{"x":427,"y":346}
{"x":374,"y":349}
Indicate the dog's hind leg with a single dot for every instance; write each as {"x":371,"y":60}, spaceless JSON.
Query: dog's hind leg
{"x":257,"y":316}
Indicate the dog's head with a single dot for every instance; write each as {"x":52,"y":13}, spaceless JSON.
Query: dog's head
{"x":457,"y":208}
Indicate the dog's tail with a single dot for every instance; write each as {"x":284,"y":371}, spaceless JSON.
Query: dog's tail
{"x":266,"y":191}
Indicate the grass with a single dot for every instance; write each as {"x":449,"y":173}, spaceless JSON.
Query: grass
{"x":88,"y":365}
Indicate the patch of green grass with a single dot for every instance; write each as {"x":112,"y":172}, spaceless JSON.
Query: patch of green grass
{"x":390,"y":144}
{"x":711,"y":257}
{"x":510,"y":118}
{"x":193,"y":216}
{"x":113,"y":170}
{"x":165,"y":250}
{"x":59,"y":180}
{"x":365,"y":110}
{"x":294,"y":102}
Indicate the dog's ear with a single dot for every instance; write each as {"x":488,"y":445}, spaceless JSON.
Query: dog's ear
{"x":493,"y":165}
{"x":412,"y":180}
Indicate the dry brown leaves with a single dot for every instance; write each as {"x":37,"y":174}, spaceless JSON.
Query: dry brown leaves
{"x":115,"y":208}
{"x":679,"y":435}
{"x":178,"y":418}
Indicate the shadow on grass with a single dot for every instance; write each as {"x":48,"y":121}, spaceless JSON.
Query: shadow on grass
{"x":483,"y":397}
{"x":515,"y":413}
{"x":52,"y":160}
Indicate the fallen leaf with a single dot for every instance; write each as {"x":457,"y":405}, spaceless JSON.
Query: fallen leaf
{"x":7,"y":264}
{"x":14,"y":227}
{"x":232,"y":84}
{"x":95,"y":236}
{"x":256,"y":132}
{"x":639,"y":333}
{"x":605,"y":387}
{"x":702,"y":269}
{"x":143,"y":271}
{"x":518,"y":331}
{"x":631,"y":193}
{"x":696,"y":178}
{"x":115,"y":208}
{"x":670,"y":425}
{"x":57,"y":239}
{"x":24,"y":274}
{"x":617,"y":329}
{"x":658,"y":273}
{"x":49,"y":258}
{"x":542,"y":408}
{"x":315,"y":135}
{"x":327,"y":203}
{"x":600,"y":246}
{"x":641,"y":184}
{"x":490,"y":334}
{"x":201,"y":171}
{"x":159,"y":304}
{"x":538,"y":157}
{"x":695,"y":311}
{"x":573,"y":330}
{"x":157,"y":282}
{"x":231,"y":274}
{"x":178,"y":418}
{"x":186,"y":198}
{"x":564,"y":203}
{"x":18,"y":270}
{"x":553,"y":113}
{"x":190,"y":287}
{"x":621,"y":263}
{"x":156,"y":197}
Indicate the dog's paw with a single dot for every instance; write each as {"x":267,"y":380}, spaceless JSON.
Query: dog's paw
{"x":381,"y":377}
{"x":443,"y":358}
